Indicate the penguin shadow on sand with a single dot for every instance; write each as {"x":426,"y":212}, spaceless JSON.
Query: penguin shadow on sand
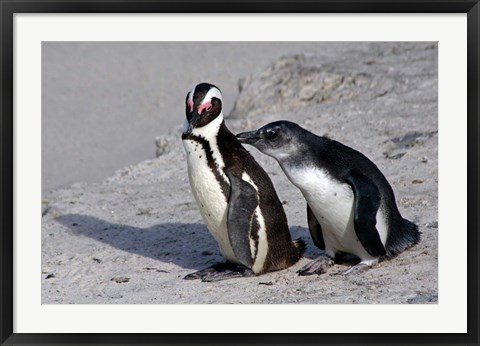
{"x":188,"y":245}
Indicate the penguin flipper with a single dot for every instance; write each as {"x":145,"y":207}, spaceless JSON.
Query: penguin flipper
{"x":366,"y":204}
{"x":241,"y":207}
{"x":315,"y":229}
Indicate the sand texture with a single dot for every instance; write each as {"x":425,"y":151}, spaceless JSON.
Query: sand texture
{"x":131,"y":238}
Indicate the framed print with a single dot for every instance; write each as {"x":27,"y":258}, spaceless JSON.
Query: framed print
{"x":239,"y":173}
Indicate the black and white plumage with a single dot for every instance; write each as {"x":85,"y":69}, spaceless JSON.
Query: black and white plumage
{"x":236,"y":198}
{"x":351,"y":206}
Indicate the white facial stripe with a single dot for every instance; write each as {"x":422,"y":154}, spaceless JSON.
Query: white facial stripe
{"x":213,"y":92}
{"x":190,"y":95}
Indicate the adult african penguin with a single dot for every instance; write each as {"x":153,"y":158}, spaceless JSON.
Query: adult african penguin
{"x":236,"y":198}
{"x":351,"y":206}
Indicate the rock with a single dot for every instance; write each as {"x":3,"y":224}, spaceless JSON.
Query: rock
{"x":162,"y":145}
{"x":299,"y":80}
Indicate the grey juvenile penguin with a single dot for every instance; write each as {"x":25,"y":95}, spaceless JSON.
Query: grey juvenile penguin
{"x":351,"y":206}
{"x":236,"y":198}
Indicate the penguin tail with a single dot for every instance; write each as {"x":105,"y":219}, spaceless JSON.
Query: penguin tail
{"x":408,"y":237}
{"x":300,"y":245}
{"x":415,"y":234}
{"x":412,"y":234}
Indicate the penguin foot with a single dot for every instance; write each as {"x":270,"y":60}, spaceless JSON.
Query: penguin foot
{"x":360,"y":267}
{"x":236,"y":272}
{"x":318,"y":266}
{"x":219,"y":272}
{"x":201,"y":273}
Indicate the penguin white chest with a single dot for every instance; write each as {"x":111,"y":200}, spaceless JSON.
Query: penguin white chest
{"x":208,"y":194}
{"x":332,"y":203}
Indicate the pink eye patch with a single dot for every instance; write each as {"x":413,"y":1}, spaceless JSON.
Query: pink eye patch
{"x":190,"y":105}
{"x":206,"y":105}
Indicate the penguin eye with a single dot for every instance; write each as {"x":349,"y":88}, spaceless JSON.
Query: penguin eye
{"x":206,"y":106}
{"x":271,"y":134}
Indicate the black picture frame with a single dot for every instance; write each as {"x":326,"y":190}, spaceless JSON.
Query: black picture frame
{"x":10,"y":7}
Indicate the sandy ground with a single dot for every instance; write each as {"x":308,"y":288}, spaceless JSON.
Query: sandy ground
{"x":132,"y":237}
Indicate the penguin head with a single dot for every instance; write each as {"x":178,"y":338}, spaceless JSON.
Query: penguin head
{"x":275,"y":139}
{"x":203,"y":105}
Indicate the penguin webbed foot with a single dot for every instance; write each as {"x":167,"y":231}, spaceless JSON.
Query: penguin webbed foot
{"x":220,"y":271}
{"x":201,"y":273}
{"x":360,"y":267}
{"x":318,"y":266}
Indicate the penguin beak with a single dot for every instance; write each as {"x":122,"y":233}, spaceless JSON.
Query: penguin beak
{"x":250,"y":137}
{"x":195,"y":118}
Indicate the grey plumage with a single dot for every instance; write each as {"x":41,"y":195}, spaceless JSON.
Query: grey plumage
{"x":349,"y":201}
